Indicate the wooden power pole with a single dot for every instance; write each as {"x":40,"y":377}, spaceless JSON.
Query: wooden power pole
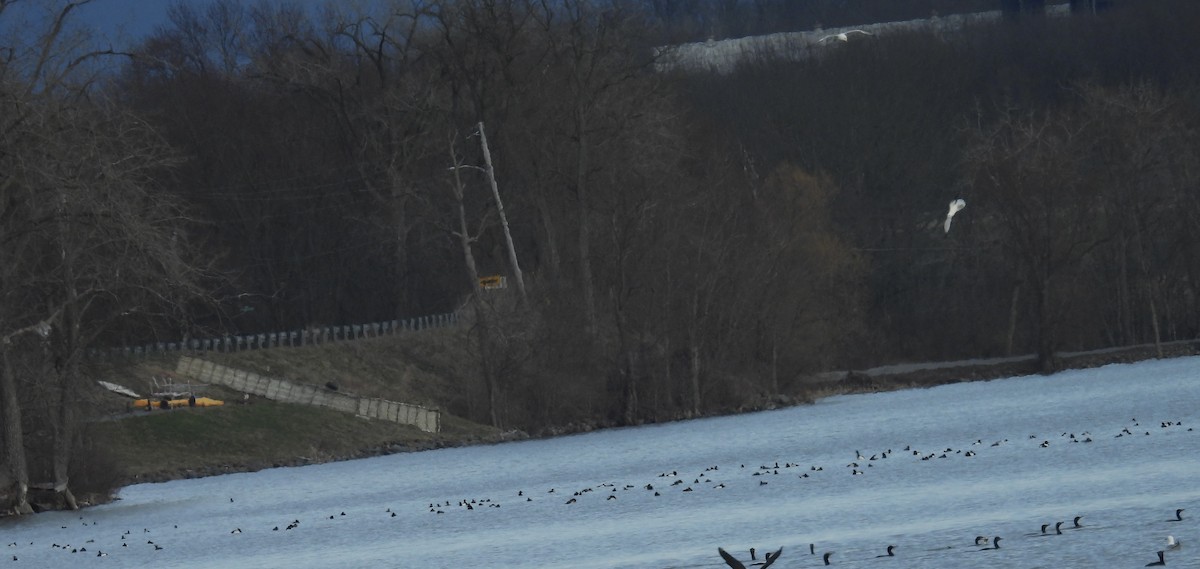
{"x":512,"y":251}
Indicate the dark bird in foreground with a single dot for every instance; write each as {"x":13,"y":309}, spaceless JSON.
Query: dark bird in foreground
{"x":733,"y":563}
{"x":826,"y":557}
{"x":1160,"y":561}
{"x":889,"y":552}
{"x":1178,"y":516}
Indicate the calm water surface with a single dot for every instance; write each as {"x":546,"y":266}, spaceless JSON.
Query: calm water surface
{"x":1126,"y":488}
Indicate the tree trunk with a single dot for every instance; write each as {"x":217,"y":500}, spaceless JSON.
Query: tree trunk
{"x":1144,"y":262}
{"x":1012,"y":319}
{"x":628,"y":364}
{"x":1125,"y":331}
{"x":66,"y":424}
{"x":65,"y":428}
{"x":774,"y":365}
{"x":585,"y":255}
{"x":631,"y":388}
{"x":668,"y":377}
{"x":66,"y":358}
{"x":1154,"y":321}
{"x":400,"y":254}
{"x":550,"y":245}
{"x":695,"y":377}
{"x":694,"y":352}
{"x":668,"y":388}
{"x":464,"y":238}
{"x":14,"y":437}
{"x":1046,"y":341}
{"x":482,"y":327}
{"x":491,"y":383}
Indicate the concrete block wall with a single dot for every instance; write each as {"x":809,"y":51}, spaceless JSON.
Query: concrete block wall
{"x":428,"y":420}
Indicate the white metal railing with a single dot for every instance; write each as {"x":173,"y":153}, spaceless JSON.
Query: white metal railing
{"x":292,"y":338}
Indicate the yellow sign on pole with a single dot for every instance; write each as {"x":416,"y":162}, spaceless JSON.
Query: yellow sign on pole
{"x":493,"y":281}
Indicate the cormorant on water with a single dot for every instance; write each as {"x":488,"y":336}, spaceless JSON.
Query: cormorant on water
{"x":733,"y":563}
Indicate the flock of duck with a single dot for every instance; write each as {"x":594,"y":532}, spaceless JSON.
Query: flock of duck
{"x":674,"y":482}
{"x":984,"y":543}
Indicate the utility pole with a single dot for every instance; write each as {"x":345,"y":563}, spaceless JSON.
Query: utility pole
{"x":512,"y":251}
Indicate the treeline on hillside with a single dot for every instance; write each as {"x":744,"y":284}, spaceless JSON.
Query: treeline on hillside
{"x":687,"y":243}
{"x":697,"y":20}
{"x":1075,"y":154}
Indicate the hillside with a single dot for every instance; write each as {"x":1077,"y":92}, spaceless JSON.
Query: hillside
{"x":254,"y":433}
{"x":432,"y":369}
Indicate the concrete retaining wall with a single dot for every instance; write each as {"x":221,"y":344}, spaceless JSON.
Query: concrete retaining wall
{"x":428,"y":420}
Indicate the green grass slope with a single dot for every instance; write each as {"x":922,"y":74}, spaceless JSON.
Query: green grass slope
{"x":425,"y":368}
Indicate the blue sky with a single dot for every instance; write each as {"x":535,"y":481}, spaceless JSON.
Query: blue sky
{"x":125,"y":19}
{"x":121,"y":21}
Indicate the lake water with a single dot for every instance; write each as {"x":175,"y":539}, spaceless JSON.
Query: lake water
{"x":1125,"y":488}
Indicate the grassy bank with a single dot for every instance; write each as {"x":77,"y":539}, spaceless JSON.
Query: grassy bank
{"x":427,"y":369}
{"x":184,"y":443}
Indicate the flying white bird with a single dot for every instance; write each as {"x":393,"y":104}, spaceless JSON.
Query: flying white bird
{"x":844,"y":36}
{"x":955,"y":206}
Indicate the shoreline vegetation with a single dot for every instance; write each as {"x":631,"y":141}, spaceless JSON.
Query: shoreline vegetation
{"x":129,"y":446}
{"x":247,"y":436}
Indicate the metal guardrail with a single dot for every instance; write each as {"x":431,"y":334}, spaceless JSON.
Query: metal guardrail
{"x":292,"y":338}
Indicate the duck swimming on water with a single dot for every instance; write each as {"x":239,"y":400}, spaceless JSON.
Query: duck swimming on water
{"x":1160,"y":561}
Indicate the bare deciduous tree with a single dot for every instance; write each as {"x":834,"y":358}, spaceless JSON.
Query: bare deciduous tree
{"x":89,"y":242}
{"x":1029,"y":169}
